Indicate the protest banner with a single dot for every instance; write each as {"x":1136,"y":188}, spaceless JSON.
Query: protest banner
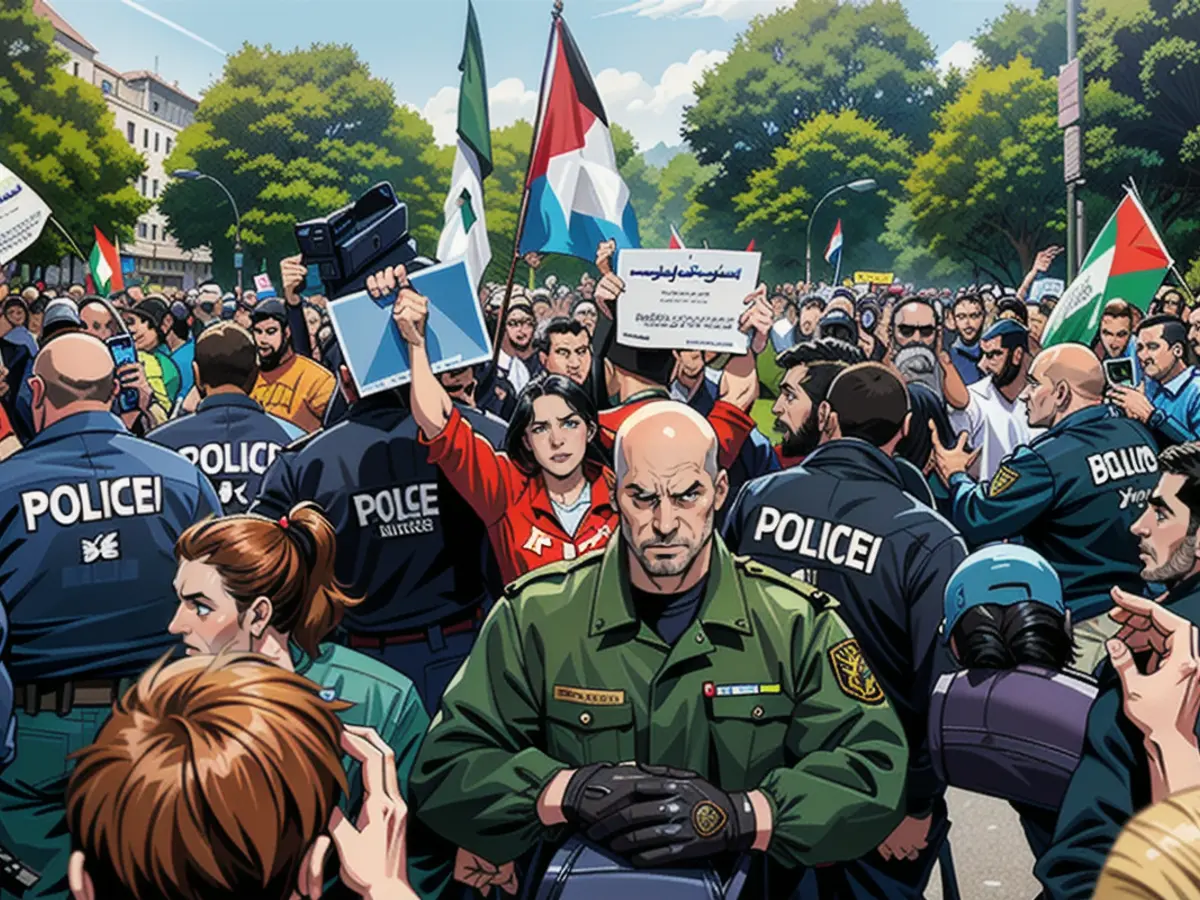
{"x":377,"y":355}
{"x":874,"y":277}
{"x":1046,"y":287}
{"x":23,"y":215}
{"x":685,"y":299}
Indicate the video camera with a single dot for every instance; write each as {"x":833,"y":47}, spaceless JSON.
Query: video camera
{"x":359,"y":239}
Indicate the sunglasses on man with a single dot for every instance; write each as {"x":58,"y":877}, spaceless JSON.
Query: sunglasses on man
{"x":908,"y":331}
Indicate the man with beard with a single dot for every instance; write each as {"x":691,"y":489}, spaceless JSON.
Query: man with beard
{"x":289,"y":386}
{"x":1111,"y":783}
{"x":745,"y":683}
{"x":808,"y":371}
{"x":991,"y":419}
{"x":916,"y":351}
{"x":1168,"y":399}
{"x":968,"y":313}
{"x":843,"y":521}
{"x":1071,"y":494}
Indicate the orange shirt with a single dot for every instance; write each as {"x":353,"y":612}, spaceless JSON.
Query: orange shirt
{"x":298,"y":392}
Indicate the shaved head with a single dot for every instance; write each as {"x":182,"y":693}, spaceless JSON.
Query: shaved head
{"x":669,"y":488}
{"x":1063,"y":379}
{"x":74,"y":368}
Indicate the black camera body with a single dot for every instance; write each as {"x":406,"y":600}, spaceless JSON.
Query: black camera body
{"x":361,"y":238}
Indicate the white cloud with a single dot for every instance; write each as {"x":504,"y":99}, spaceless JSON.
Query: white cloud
{"x":961,"y":55}
{"x":700,"y":9}
{"x":654,"y":113}
{"x":508,"y":101}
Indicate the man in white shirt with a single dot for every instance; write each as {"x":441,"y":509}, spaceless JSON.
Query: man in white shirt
{"x":993,"y":419}
{"x":517,"y":359}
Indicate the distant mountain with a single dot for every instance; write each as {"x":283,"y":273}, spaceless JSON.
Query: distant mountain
{"x":660,"y":154}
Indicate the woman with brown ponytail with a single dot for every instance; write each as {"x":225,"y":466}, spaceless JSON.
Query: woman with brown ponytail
{"x":248,"y":583}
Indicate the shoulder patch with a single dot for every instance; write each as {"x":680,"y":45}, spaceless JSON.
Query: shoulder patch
{"x":854,"y":677}
{"x":1004,"y":478}
{"x":555,"y":570}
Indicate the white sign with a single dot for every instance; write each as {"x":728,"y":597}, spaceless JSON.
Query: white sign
{"x":262,"y":282}
{"x":23,"y":215}
{"x":685,"y":299}
{"x":1043,"y":287}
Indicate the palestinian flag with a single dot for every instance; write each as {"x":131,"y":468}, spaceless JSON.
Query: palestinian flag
{"x":465,"y":232}
{"x":676,"y":242}
{"x":105,"y":265}
{"x":1128,"y":262}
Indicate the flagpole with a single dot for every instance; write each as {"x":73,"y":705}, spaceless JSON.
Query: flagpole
{"x":70,"y":240}
{"x":555,"y":15}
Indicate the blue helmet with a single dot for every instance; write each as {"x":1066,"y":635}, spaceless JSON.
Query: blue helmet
{"x":1004,"y":574}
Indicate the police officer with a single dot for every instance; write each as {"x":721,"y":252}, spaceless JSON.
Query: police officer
{"x":229,"y":436}
{"x":91,"y":518}
{"x":843,"y":521}
{"x":739,"y":694}
{"x":1071,"y":494}
{"x":406,"y":540}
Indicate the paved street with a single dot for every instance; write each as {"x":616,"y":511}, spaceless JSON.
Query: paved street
{"x":993,"y":860}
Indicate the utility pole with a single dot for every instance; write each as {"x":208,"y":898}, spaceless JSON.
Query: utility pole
{"x":1070,"y":115}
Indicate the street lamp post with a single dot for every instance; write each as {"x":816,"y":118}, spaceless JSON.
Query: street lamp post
{"x":862,"y":185}
{"x":195,"y":175}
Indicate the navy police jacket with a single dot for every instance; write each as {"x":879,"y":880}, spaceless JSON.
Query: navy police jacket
{"x":233,"y":441}
{"x":842,"y":520}
{"x":1072,"y":495}
{"x":406,"y":540}
{"x":90,"y":515}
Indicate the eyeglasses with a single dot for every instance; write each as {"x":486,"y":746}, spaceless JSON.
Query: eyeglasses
{"x":925,"y":331}
{"x":518,"y":321}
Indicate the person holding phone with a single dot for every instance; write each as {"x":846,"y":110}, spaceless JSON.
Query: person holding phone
{"x":1168,"y":400}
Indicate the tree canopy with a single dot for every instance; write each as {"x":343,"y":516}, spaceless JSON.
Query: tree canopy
{"x":58,"y":134}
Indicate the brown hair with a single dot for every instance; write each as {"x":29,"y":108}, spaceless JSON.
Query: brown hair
{"x":1119,"y":309}
{"x":212,"y":778}
{"x":289,"y":561}
{"x":226,"y":355}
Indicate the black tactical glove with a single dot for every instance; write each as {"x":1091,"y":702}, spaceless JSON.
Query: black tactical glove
{"x":676,"y":816}
{"x":599,"y":790}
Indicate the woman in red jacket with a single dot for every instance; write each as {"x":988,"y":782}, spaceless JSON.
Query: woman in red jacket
{"x":547,"y":497}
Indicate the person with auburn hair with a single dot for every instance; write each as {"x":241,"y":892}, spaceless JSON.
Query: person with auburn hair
{"x":267,"y":586}
{"x":216,"y":779}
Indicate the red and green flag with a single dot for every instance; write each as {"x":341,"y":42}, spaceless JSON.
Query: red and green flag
{"x":1128,"y":262}
{"x":105,"y":265}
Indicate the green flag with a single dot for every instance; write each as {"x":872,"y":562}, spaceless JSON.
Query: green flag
{"x":474,"y":129}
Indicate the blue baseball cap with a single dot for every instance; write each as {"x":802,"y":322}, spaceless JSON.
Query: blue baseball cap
{"x":1004,"y":327}
{"x":1003,"y":574}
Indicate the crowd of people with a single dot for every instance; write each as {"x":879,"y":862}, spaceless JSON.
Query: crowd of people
{"x":577,"y":599}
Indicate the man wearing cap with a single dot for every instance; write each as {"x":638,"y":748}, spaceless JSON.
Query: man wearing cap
{"x":61,"y":317}
{"x":207,"y":309}
{"x":289,"y":386}
{"x":994,"y":422}
{"x":145,"y":323}
{"x":844,"y":522}
{"x":1071,"y":494}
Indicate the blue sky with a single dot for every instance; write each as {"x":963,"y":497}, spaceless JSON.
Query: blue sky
{"x":644,"y":54}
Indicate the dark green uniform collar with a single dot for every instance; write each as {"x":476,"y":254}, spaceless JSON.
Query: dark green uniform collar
{"x":724,"y":603}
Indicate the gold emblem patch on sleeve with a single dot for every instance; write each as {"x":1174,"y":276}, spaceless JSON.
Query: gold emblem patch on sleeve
{"x":1002,"y":481}
{"x":708,"y":818}
{"x":854,"y":676}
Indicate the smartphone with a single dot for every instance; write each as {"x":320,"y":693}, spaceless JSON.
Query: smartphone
{"x":1119,"y":372}
{"x":124,"y":353}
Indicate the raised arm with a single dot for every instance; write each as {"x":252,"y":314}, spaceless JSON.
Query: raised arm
{"x":431,"y":405}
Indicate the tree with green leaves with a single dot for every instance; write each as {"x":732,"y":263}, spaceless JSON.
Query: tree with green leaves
{"x":816,"y":56}
{"x":989,"y":190}
{"x":913,"y":260}
{"x":828,"y":150}
{"x":677,"y":186}
{"x":60,"y":137}
{"x":295,"y":135}
{"x":1039,"y":34}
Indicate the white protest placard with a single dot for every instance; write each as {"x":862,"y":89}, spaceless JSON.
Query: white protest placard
{"x":685,"y":299}
{"x":23,"y":215}
{"x":1043,"y":287}
{"x":262,"y":282}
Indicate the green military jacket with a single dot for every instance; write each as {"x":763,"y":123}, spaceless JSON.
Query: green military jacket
{"x":765,"y":690}
{"x":387,"y":701}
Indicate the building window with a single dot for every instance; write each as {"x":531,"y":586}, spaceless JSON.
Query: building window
{"x":154,"y":192}
{"x":130,"y":132}
{"x":141,"y":229}
{"x":156,"y":142}
{"x":156,"y":106}
{"x":106,"y":86}
{"x":143,"y":185}
{"x":145,"y":138}
{"x":76,"y":70}
{"x":168,"y":145}
{"x":154,"y":232}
